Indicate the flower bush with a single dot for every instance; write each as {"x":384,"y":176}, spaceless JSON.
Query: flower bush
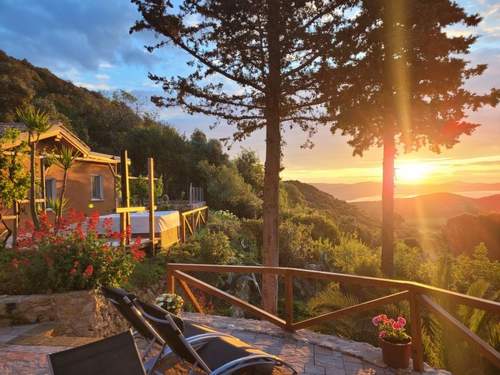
{"x":171,"y":302}
{"x":69,"y":255}
{"x":391,"y":330}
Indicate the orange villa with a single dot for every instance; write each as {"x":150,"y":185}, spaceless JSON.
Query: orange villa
{"x":92,"y":179}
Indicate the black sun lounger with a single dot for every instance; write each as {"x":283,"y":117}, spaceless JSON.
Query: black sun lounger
{"x":204,"y":348}
{"x":115,"y":355}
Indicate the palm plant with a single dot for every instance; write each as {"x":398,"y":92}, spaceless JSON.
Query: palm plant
{"x":36,"y":122}
{"x":64,"y":160}
{"x":57,"y":205}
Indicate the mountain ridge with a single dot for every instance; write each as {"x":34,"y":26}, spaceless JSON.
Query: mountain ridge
{"x":359,"y":190}
{"x":436,"y":205}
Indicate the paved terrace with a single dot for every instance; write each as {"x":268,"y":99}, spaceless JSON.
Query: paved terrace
{"x":23,"y":349}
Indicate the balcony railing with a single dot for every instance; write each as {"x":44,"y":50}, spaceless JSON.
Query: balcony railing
{"x":418,"y":295}
{"x":192,"y":220}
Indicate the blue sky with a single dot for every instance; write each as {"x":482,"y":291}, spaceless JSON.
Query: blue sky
{"x":88,"y":43}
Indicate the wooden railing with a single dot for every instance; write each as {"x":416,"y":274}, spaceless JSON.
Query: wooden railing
{"x":192,"y":220}
{"x":418,"y":295}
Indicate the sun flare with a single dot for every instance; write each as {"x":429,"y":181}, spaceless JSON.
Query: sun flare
{"x":413,"y":172}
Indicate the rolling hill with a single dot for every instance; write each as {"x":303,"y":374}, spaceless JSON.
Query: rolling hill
{"x":435,"y":206}
{"x":348,"y":217}
{"x":363,"y":190}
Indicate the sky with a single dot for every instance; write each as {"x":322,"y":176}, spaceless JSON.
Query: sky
{"x":88,"y":43}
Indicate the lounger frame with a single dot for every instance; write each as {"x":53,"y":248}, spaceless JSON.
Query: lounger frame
{"x":191,"y":344}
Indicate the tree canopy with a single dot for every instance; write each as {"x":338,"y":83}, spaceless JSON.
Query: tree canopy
{"x":399,"y":80}
{"x":254,"y":64}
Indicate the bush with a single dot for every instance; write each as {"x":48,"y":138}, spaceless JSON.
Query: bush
{"x":322,"y":226}
{"x":147,"y":273}
{"x":65,"y":258}
{"x":224,"y":221}
{"x":410,"y":263}
{"x":299,"y":249}
{"x":215,"y":248}
{"x":354,"y":257}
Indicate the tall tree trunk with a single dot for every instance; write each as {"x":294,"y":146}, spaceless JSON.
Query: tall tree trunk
{"x":34,"y":213}
{"x":388,"y":140}
{"x":272,"y":164}
{"x":388,"y":203}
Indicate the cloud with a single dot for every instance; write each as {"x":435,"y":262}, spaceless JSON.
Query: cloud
{"x":95,"y":86}
{"x":87,"y":35}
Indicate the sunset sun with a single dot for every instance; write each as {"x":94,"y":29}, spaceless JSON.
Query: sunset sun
{"x":413,"y":172}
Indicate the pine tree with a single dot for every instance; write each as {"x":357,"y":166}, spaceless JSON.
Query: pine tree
{"x":399,"y":80}
{"x":255,"y":65}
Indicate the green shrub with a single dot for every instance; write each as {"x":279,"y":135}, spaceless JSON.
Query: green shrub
{"x":410,"y":263}
{"x":147,"y":273}
{"x":354,"y":257}
{"x":322,"y":226}
{"x":299,"y":249}
{"x":215,"y":248}
{"x":224,"y":221}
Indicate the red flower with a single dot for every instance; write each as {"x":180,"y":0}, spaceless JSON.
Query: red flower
{"x":138,"y":255}
{"x":136,"y":251}
{"x":88,"y":271}
{"x":93,"y":221}
{"x":107,"y":223}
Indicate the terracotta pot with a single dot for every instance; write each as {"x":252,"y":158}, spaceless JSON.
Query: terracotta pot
{"x":395,"y":355}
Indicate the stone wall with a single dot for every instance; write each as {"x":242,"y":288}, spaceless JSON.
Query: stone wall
{"x":81,"y":313}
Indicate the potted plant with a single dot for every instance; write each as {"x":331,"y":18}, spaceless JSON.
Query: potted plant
{"x":394,"y":341}
{"x":171,"y":302}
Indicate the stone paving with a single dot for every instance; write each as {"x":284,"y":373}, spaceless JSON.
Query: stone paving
{"x":308,"y":352}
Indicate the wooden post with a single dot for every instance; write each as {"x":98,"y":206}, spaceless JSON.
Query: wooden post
{"x":416,"y":332}
{"x":42,"y":184}
{"x":151,"y":186}
{"x":15,"y":226}
{"x":170,"y":282}
{"x":193,"y":223}
{"x":124,"y":217}
{"x":183,"y":228}
{"x":289,"y":301}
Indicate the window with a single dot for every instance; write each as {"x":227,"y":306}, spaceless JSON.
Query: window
{"x":50,"y":189}
{"x":97,"y":191}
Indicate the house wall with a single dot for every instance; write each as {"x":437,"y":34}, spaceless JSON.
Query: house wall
{"x":78,"y":188}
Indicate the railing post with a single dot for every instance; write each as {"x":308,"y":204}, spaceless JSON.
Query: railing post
{"x":124,"y":217}
{"x":416,"y":332}
{"x":289,"y":301}
{"x":170,"y":282}
{"x":183,"y":228}
{"x":152,"y":199}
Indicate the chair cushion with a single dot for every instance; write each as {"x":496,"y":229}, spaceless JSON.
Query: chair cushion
{"x":224,"y":349}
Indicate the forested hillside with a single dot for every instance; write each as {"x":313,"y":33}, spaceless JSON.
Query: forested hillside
{"x":110,"y":125}
{"x":107,"y":124}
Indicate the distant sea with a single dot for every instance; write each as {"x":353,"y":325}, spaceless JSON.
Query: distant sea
{"x":469,"y":194}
